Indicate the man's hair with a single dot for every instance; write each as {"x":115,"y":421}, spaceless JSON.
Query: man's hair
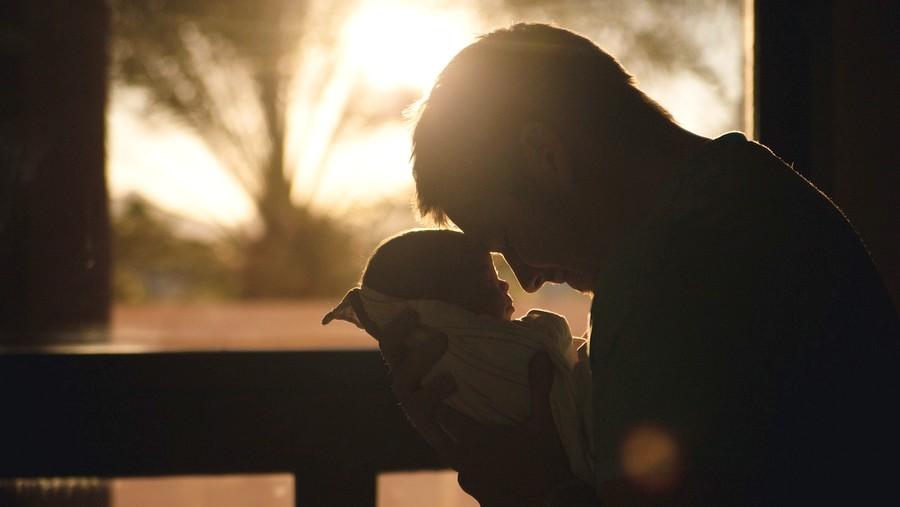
{"x":422,"y":264}
{"x":470,"y":121}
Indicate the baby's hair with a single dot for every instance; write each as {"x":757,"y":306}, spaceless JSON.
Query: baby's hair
{"x":421,"y":264}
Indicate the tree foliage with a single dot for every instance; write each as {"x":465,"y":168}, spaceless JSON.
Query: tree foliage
{"x":232,"y":72}
{"x":667,"y":36}
{"x":154,"y":261}
{"x":252,"y":79}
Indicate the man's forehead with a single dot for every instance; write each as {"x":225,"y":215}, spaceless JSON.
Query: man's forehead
{"x":477,"y":229}
{"x":462,"y":218}
{"x":473,"y":215}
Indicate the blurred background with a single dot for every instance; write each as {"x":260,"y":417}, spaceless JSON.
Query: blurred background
{"x":258,"y":151}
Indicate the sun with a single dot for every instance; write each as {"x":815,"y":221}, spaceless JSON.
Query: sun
{"x":387,"y":46}
{"x":405,"y":44}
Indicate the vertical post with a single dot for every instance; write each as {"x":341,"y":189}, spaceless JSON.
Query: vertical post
{"x":54,"y":223}
{"x":792,"y":84}
{"x":330,"y":484}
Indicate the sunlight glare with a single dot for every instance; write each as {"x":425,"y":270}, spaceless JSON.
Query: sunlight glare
{"x":366,"y":168}
{"x":391,"y":48}
{"x":169,"y":166}
{"x":405,"y":44}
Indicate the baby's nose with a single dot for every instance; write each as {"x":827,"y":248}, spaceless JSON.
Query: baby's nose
{"x":504,"y":286}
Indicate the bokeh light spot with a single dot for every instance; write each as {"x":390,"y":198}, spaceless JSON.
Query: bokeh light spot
{"x":651,"y":458}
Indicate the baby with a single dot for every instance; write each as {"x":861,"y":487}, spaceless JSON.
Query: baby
{"x":442,"y":265}
{"x":450,"y":281}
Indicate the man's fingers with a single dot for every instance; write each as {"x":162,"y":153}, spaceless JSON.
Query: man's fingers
{"x":363,"y":317}
{"x":540,"y":375}
{"x":430,"y":396}
{"x":416,"y":364}
{"x":393,"y":337}
{"x":401,"y":325}
{"x":421,"y":406}
{"x":462,"y":428}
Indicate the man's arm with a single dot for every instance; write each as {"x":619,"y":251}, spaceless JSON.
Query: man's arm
{"x":408,"y":367}
{"x":524,"y":465}
{"x":499,"y":466}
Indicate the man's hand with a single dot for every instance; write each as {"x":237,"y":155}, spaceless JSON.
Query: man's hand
{"x":409,"y":365}
{"x":514,"y":466}
{"x":498,"y":465}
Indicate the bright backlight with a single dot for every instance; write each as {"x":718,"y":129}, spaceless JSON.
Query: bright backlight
{"x":405,"y":44}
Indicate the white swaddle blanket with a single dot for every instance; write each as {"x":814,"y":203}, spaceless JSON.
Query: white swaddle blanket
{"x":489,"y":357}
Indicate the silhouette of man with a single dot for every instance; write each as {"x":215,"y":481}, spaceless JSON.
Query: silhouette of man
{"x":744,"y":349}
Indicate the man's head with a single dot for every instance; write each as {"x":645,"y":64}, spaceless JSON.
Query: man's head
{"x":439,"y":264}
{"x":513,"y":138}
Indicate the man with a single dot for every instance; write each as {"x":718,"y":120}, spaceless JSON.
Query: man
{"x":743,"y":347}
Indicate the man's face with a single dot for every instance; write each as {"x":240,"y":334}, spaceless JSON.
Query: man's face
{"x":540,"y":217}
{"x":540,"y":241}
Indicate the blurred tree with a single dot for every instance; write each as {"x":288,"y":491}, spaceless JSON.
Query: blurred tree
{"x":155,"y":261}
{"x":248,"y":77}
{"x":667,"y":36}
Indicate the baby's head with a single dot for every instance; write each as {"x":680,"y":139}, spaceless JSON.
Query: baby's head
{"x":439,"y":264}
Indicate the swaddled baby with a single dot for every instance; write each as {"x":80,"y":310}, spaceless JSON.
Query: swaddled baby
{"x":451,"y":283}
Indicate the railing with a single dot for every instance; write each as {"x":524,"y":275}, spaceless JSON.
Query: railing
{"x":327,"y":417}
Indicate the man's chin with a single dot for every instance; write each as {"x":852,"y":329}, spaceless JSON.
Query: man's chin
{"x":579,"y":281}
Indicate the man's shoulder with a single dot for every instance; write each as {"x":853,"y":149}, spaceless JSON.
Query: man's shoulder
{"x":744,"y":236}
{"x":742,"y":201}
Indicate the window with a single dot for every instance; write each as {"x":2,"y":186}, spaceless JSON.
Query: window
{"x":256,"y":156}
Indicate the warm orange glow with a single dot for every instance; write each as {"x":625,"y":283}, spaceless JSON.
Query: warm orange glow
{"x":388,"y":46}
{"x":650,"y":458}
{"x":404,"y":43}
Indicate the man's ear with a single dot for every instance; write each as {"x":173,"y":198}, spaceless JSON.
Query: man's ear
{"x":544,"y":153}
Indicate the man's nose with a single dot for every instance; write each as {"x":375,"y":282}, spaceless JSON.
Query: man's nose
{"x":529,"y":278}
{"x":504,"y":285}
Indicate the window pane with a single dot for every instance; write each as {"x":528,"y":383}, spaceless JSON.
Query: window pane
{"x":276,"y":490}
{"x":271,"y":490}
{"x":256,"y":156}
{"x":411,"y":489}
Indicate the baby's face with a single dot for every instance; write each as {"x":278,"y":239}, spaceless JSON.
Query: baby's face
{"x":487,"y":293}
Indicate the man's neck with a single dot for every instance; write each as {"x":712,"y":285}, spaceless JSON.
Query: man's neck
{"x":633,"y":186}
{"x":652,"y":167}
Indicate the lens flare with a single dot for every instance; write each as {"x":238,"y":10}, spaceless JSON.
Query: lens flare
{"x":651,"y":458}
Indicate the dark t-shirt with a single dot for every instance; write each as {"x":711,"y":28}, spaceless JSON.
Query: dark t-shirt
{"x":745,"y":329}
